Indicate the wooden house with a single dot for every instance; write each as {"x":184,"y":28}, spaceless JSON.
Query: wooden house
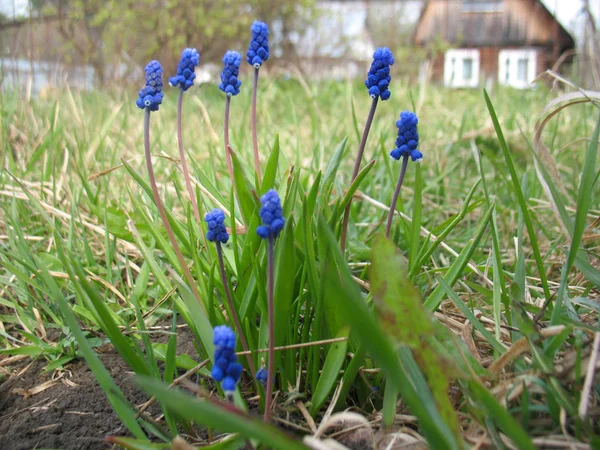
{"x":508,"y":41}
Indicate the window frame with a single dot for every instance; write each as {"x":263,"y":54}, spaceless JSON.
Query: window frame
{"x":508,"y":67}
{"x":454,"y":65}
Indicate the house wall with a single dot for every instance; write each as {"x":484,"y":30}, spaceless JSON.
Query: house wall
{"x":519,"y":22}
{"x":516,"y":24}
{"x":488,"y":62}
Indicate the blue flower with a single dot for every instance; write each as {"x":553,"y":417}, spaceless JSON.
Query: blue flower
{"x":229,"y":77}
{"x":408,"y":138}
{"x":378,"y":78}
{"x":226,"y":370}
{"x":185,"y":70}
{"x":262,"y":376}
{"x":216,"y":226}
{"x":271,"y":214}
{"x":151,"y":95}
{"x":258,"y":52}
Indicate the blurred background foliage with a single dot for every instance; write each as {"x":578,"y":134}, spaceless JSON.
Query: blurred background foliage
{"x":115,"y":35}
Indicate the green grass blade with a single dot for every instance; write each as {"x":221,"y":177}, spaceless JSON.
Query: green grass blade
{"x":457,"y":268}
{"x":520,"y":197}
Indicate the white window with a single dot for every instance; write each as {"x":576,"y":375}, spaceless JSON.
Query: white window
{"x":461,"y":68}
{"x":482,"y":6}
{"x":517,"y":68}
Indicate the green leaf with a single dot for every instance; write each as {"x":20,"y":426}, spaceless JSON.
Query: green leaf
{"x":270,"y":174}
{"x":368,"y":330}
{"x":402,"y":315}
{"x":330,"y":372}
{"x":520,"y":197}
{"x":243,"y":189}
{"x":332,"y":168}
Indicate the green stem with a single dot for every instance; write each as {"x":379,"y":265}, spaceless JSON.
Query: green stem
{"x":163,"y":214}
{"x":186,"y":174}
{"x":254,"y":133}
{"x":359,"y":156}
{"x":388,"y":228}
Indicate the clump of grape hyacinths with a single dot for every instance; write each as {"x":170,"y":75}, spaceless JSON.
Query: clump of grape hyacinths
{"x":377,"y":82}
{"x":378,"y":78}
{"x":271,"y":214}
{"x":217,"y":233}
{"x":150,"y":98}
{"x":226,"y":368}
{"x":257,"y":54}
{"x":185,"y":69}
{"x":407,"y":144}
{"x":184,"y":79}
{"x":151,"y":95}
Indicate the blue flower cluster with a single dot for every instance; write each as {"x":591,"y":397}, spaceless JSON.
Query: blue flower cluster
{"x":185,"y":70}
{"x":262,"y":376}
{"x":408,"y":138}
{"x":216,"y":226}
{"x":229,"y":77}
{"x":271,"y":214}
{"x":151,"y":95}
{"x":378,"y":78}
{"x":226,"y":370}
{"x":258,"y":52}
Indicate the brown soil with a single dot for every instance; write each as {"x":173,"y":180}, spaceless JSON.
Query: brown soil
{"x":73,"y":413}
{"x":66,"y":415}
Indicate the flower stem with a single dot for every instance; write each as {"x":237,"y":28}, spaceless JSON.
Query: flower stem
{"x":163,"y":214}
{"x":254,"y":134}
{"x":234,"y":315}
{"x":388,"y":228}
{"x":271,"y":324}
{"x":361,"y":150}
{"x":186,"y":174}
{"x":226,"y":137}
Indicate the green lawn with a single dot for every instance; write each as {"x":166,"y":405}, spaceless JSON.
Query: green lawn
{"x":501,"y":251}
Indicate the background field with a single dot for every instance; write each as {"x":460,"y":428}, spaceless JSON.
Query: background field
{"x":62,"y":155}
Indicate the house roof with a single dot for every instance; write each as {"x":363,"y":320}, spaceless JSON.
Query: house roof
{"x":476,"y":29}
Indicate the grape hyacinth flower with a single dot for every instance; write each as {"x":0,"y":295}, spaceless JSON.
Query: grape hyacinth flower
{"x":226,"y":368}
{"x":229,"y":76}
{"x":261,"y":376}
{"x":185,"y":69}
{"x":217,"y":233}
{"x":378,"y":78}
{"x":231,"y":86}
{"x":150,"y":98}
{"x":271,"y":214}
{"x":151,"y":95}
{"x":377,"y":82}
{"x":184,"y":79}
{"x":257,"y":54}
{"x":406,"y":145}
